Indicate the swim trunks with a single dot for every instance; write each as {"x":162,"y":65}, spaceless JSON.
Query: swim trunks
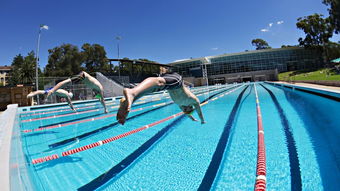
{"x":47,"y":90}
{"x":172,"y":81}
{"x":78,"y":78}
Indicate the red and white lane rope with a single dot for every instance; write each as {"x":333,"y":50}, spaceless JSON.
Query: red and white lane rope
{"x":260,"y":183}
{"x":90,"y":119}
{"x":108,"y":140}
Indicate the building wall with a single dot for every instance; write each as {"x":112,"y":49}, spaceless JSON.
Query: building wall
{"x":4,"y":75}
{"x":12,"y":95}
{"x":281,"y":59}
{"x":262,"y":75}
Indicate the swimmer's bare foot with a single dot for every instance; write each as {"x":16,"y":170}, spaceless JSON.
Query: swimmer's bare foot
{"x":125,"y":106}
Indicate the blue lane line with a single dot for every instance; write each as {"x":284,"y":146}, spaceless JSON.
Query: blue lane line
{"x":118,"y":168}
{"x":126,"y":162}
{"x":91,"y":133}
{"x":296,"y":183}
{"x":215,"y":162}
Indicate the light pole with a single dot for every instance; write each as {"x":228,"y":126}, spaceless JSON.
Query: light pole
{"x":118,"y":38}
{"x":37,"y":59}
{"x":204,"y":69}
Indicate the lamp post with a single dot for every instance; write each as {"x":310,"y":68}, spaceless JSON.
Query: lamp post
{"x":204,"y":70}
{"x":37,"y":59}
{"x":118,"y":38}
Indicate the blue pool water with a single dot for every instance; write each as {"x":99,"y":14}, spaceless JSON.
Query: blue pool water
{"x":301,"y":138}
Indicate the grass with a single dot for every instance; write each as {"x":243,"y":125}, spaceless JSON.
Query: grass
{"x":321,"y":74}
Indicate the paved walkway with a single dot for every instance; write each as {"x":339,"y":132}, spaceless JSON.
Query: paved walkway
{"x":330,"y":88}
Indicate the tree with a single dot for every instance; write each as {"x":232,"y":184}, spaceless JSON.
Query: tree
{"x":64,"y":61}
{"x":27,"y":73}
{"x":260,"y":44}
{"x":23,"y":69}
{"x":317,"y":29}
{"x":17,"y":62}
{"x":334,"y":13}
{"x":94,"y":58}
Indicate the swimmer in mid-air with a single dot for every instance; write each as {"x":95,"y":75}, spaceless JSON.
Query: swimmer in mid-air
{"x":89,"y":81}
{"x":172,"y":82}
{"x":63,"y":94}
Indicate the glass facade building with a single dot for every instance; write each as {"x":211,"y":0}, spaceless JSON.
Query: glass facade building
{"x":282,"y":59}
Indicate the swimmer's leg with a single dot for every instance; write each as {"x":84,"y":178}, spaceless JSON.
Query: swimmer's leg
{"x":149,"y":85}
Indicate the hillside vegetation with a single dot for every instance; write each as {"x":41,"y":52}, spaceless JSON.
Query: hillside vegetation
{"x":321,"y":74}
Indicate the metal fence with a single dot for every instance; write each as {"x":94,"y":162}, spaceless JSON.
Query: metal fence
{"x":80,"y":91}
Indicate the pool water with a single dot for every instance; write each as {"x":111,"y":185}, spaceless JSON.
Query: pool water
{"x":301,"y":133}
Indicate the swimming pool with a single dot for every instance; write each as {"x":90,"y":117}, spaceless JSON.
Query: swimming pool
{"x":160,"y":149}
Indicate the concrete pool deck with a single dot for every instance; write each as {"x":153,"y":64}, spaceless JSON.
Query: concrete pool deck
{"x":315,"y":86}
{"x":7,"y":119}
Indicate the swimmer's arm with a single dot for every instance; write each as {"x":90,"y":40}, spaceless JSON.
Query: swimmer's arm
{"x":59,"y":85}
{"x":199,"y":112}
{"x":192,"y":118}
{"x":70,"y":103}
{"x":102,"y":100}
{"x":39,"y":92}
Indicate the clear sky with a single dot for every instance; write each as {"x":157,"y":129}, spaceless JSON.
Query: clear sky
{"x":159,"y":30}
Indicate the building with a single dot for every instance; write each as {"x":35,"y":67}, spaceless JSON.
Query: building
{"x":4,"y":75}
{"x":257,"y":65}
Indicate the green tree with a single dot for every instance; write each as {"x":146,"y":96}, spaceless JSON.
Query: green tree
{"x":17,"y":62}
{"x":64,"y":61}
{"x":23,"y":69}
{"x":333,"y":50}
{"x":27,"y":73}
{"x":94,"y":58}
{"x":260,"y":44}
{"x":317,"y":29}
{"x":334,"y":13}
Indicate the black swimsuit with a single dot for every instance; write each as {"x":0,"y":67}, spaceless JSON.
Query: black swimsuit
{"x":172,"y":81}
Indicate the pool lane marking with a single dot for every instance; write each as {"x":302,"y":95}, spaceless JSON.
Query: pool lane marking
{"x":73,"y":113}
{"x":114,"y":138}
{"x":216,"y":160}
{"x":131,"y":158}
{"x":28,"y":113}
{"x":86,"y":120}
{"x":296,"y":182}
{"x":62,"y":115}
{"x":115,"y":106}
{"x":66,"y":141}
{"x":125,"y":163}
{"x":260,"y":181}
{"x":90,"y":119}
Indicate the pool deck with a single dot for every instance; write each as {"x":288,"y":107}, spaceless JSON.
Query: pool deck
{"x":7,"y":122}
{"x":315,"y":86}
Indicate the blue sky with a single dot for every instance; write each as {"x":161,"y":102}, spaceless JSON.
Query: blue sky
{"x":159,"y":30}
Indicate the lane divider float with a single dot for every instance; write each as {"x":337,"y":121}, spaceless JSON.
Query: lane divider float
{"x":86,"y":120}
{"x":261,"y":181}
{"x":114,"y":138}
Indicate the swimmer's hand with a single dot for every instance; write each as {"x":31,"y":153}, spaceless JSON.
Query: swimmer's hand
{"x":191,"y":117}
{"x":203,"y":122}
{"x":49,"y":93}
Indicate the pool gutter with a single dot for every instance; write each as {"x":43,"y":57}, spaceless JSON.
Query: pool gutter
{"x":327,"y":93}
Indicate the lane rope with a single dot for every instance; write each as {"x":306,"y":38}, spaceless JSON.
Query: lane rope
{"x":102,"y":117}
{"x":261,"y":180}
{"x":114,"y":138}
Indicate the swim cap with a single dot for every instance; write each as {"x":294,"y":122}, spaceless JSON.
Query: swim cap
{"x":98,"y":96}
